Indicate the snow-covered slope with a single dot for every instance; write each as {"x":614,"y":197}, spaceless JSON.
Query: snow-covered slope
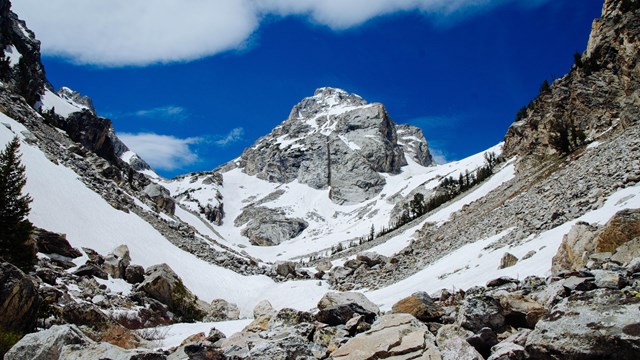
{"x":62,"y":203}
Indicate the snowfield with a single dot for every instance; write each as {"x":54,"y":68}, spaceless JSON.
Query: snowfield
{"x":62,"y":203}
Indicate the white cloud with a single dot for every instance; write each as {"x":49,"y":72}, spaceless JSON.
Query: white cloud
{"x":141,"y":32}
{"x":137,"y":32}
{"x":162,"y":152}
{"x":165,"y":113}
{"x":440,"y":157}
{"x":233,"y":136}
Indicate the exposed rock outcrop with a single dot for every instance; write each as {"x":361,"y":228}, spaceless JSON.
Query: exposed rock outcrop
{"x":163,"y":284}
{"x":335,"y":140}
{"x":161,"y":197}
{"x":268,"y":227}
{"x":19,"y":301}
{"x":601,"y":91}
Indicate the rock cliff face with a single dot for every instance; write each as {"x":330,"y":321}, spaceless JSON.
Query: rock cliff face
{"x":24,"y":72}
{"x":336,"y":140}
{"x":601,"y":92}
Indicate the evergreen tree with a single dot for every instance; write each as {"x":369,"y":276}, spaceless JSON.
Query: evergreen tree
{"x":15,"y":228}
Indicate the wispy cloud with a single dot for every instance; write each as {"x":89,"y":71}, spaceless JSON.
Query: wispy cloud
{"x":439,"y":156}
{"x":171,"y":112}
{"x":165,"y":113}
{"x":136,"y":31}
{"x":233,"y":136}
{"x":163,"y":152}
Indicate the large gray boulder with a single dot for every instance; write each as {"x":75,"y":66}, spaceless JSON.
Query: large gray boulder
{"x":47,"y":344}
{"x":598,"y":324}
{"x":268,"y":227}
{"x":341,"y":298}
{"x":163,"y":284}
{"x":392,"y":336}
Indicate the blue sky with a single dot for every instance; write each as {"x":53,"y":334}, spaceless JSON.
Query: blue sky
{"x":460,"y":73}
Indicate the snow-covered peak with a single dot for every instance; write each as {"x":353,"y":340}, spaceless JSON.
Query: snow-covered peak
{"x":326,"y":101}
{"x":75,"y":98}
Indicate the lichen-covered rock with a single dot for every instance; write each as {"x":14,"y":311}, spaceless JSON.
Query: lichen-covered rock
{"x":479,"y":312}
{"x":47,"y":344}
{"x":623,"y":227}
{"x":599,"y":324}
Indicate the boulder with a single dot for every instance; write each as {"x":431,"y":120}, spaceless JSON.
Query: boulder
{"x":47,"y":344}
{"x":627,"y":251}
{"x":53,"y":243}
{"x":163,"y":284}
{"x":90,"y":270}
{"x":623,"y":227}
{"x":522,"y":311}
{"x":507,"y":260}
{"x":574,"y":283}
{"x":575,"y":248}
{"x":161,"y":197}
{"x":395,"y":335}
{"x":342,"y":298}
{"x":479,"y":312}
{"x":371,"y":259}
{"x":324,"y":265}
{"x":608,"y":279}
{"x":19,"y":300}
{"x":342,"y":313}
{"x":134,"y":274}
{"x":222,"y":310}
{"x":84,"y":314}
{"x":116,"y":262}
{"x":285,"y":268}
{"x":268,"y":227}
{"x":599,"y":324}
{"x":105,"y":350}
{"x":420,"y":305}
{"x":263,"y":309}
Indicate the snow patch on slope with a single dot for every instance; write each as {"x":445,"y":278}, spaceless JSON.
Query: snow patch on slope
{"x":475,"y":264}
{"x":62,"y":107}
{"x":62,"y":203}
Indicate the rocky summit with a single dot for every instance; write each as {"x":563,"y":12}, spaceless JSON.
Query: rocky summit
{"x":335,"y":236}
{"x":336,"y":140}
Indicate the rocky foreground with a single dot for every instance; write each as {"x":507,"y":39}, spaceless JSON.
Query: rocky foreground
{"x":591,"y":313}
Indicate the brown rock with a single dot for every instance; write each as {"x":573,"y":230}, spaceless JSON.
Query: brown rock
{"x":19,"y":300}
{"x":507,"y":260}
{"x":419,"y":305}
